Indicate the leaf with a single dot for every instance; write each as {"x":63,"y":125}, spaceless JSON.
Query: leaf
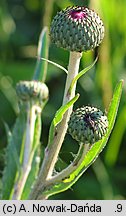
{"x":37,"y":132}
{"x":34,"y":160}
{"x":116,"y":138}
{"x":31,"y":177}
{"x":59,"y":116}
{"x":8,"y":132}
{"x":41,"y":66}
{"x":92,"y":154}
{"x":9,"y":92}
{"x":12,"y":157}
{"x":81,"y":73}
{"x":55,"y":64}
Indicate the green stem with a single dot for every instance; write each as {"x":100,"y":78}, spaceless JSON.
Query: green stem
{"x":31,"y":117}
{"x":26,"y":167}
{"x":65,"y":175}
{"x":73,"y":166}
{"x":52,"y":151}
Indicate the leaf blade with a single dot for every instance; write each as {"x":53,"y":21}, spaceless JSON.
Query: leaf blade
{"x":12,"y":157}
{"x":41,"y":66}
{"x":81,"y":73}
{"x":58,"y":117}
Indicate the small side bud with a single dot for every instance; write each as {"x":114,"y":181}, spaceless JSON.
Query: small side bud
{"x":88,"y":125}
{"x":32,"y":91}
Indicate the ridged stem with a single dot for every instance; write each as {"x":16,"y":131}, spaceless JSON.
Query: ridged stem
{"x":51,"y":152}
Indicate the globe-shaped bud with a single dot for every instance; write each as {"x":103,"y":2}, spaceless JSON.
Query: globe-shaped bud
{"x":87,"y":125}
{"x":32,"y":90}
{"x":77,"y":29}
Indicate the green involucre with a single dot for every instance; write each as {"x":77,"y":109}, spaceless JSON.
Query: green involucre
{"x":88,"y":125}
{"x":32,"y":90}
{"x":77,"y":29}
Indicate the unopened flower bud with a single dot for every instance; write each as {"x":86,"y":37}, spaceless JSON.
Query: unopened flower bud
{"x":88,"y":125}
{"x":32,"y":90}
{"x":77,"y":29}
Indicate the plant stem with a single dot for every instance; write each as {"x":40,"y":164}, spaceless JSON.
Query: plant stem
{"x":51,"y":152}
{"x":64,"y":174}
{"x":73,"y":166}
{"x":26,"y":167}
{"x":31,"y":117}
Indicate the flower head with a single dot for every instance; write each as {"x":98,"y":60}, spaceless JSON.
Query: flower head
{"x":88,"y":125}
{"x":32,"y":90}
{"x":77,"y":29}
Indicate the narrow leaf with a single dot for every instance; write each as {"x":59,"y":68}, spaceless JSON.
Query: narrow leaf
{"x":116,"y":138}
{"x":8,"y":132}
{"x":9,"y":92}
{"x":81,"y":73}
{"x":41,"y":66}
{"x":12,"y":157}
{"x":59,"y":116}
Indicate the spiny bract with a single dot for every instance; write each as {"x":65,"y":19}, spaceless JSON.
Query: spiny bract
{"x":88,"y":125}
{"x":77,"y":29}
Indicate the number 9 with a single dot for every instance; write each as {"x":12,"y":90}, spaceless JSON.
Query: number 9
{"x":119,"y":207}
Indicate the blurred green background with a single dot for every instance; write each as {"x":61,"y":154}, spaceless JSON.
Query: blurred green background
{"x":21,"y":22}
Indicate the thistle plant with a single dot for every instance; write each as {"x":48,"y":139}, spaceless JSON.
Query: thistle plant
{"x":76,"y":29}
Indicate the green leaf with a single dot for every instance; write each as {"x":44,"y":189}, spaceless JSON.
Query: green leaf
{"x":34,"y":160}
{"x":81,"y":73}
{"x":31,"y":177}
{"x":37,"y":132}
{"x":59,"y":116}
{"x":9,"y":92}
{"x":92,"y":154}
{"x":116,"y":138}
{"x":8,"y":132}
{"x":12,"y":156}
{"x":41,"y":66}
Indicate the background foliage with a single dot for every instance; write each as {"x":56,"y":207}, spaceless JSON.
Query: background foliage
{"x":21,"y":22}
